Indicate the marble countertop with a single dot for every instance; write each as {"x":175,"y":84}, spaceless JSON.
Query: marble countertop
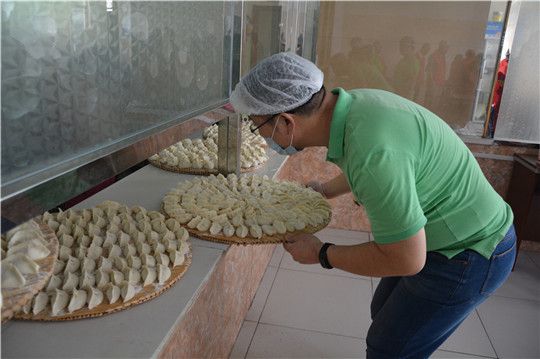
{"x":142,"y":330}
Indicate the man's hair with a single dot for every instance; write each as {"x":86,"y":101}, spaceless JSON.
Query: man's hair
{"x":311,"y":106}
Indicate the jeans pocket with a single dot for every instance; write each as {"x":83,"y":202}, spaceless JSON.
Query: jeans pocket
{"x":500,"y":267}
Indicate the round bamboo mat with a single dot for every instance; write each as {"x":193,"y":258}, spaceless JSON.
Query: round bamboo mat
{"x":13,"y":299}
{"x":147,"y":293}
{"x":197,"y":171}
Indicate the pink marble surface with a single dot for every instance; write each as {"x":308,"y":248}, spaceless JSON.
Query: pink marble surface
{"x":209,"y":327}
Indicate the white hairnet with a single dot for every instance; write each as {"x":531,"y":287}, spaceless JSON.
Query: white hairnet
{"x":279,"y":83}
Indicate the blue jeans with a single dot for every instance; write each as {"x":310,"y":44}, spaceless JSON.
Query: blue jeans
{"x":412,"y":316}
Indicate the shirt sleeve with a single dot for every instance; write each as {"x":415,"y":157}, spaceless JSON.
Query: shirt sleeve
{"x":385,"y":184}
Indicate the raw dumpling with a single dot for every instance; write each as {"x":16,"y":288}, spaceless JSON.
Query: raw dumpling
{"x":164,"y":273}
{"x":228,"y":230}
{"x":134,"y":262}
{"x":88,"y":265}
{"x":120,"y":263}
{"x":40,"y":302}
{"x":255,"y":231}
{"x":94,"y":252}
{"x":78,"y":300}
{"x":11,"y":276}
{"x":162,"y":258}
{"x":59,"y":300}
{"x":70,"y":282}
{"x":114,"y":251}
{"x":35,"y":249}
{"x":102,"y":278}
{"x":143,"y":248}
{"x":242,"y":231}
{"x":149,"y":275}
{"x":66,"y":240}
{"x":97,"y":241}
{"x":72,"y":264}
{"x":127,"y":291}
{"x":64,"y":253}
{"x":132,"y":275}
{"x":23,"y":263}
{"x":58,"y":266}
{"x":177,"y":258}
{"x":158,"y":247}
{"x":95,"y":297}
{"x":55,"y":282}
{"x":204,"y":225}
{"x":113,"y":293}
{"x":87,"y":280}
{"x":148,"y":260}
{"x":105,"y":264}
{"x":117,"y":277}
{"x":124,"y":239}
{"x":268,"y":229}
{"x":129,"y":250}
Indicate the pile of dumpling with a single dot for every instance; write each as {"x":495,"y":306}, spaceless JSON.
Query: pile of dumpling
{"x":109,"y":252}
{"x":245,"y":206}
{"x":21,"y":248}
{"x":202,"y":153}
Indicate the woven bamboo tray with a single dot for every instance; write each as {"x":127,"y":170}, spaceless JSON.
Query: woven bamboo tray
{"x":197,"y":171}
{"x":147,"y":293}
{"x":14,"y":299}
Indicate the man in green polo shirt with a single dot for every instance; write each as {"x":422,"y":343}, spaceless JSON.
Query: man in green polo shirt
{"x":443,"y":238}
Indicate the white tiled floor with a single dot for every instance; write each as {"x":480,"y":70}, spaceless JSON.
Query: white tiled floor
{"x":307,"y":312}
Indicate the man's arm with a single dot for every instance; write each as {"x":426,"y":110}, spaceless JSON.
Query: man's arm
{"x":333,"y":188}
{"x":404,"y":258}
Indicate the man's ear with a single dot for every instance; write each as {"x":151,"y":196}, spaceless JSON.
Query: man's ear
{"x":288,"y":123}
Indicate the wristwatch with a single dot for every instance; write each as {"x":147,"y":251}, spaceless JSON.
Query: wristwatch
{"x":323,"y":258}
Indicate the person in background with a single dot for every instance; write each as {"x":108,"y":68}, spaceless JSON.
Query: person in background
{"x":407,"y":69}
{"x":378,"y":60}
{"x":421,"y":56}
{"x":497,"y":93}
{"x":436,"y":76}
{"x":443,"y":237}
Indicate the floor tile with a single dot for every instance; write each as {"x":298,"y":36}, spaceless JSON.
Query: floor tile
{"x":534,"y":256}
{"x":243,"y":340}
{"x":276,"y":256}
{"x":470,"y":338}
{"x":341,"y":237}
{"x":513,"y":326}
{"x":331,"y":304}
{"x":259,"y":300}
{"x":523,"y":282}
{"x":442,"y":354}
{"x":279,"y":342}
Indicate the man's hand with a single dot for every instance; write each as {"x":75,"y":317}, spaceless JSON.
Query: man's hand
{"x":304,"y":248}
{"x":317,"y":187}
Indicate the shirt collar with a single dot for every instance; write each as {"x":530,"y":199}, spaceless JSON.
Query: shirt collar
{"x":337,"y":126}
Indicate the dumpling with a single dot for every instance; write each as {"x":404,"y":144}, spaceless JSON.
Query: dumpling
{"x":40,"y":302}
{"x":87,"y":280}
{"x":215,"y":228}
{"x":100,"y":222}
{"x":182,"y":234}
{"x":132,"y":275}
{"x":204,"y":225}
{"x":242,"y":231}
{"x":228,"y":230}
{"x":117,"y":277}
{"x":255,"y":231}
{"x":55,"y":282}
{"x":162,"y":258}
{"x":268,"y":229}
{"x":93,"y":229}
{"x":84,"y":241}
{"x":102,"y":278}
{"x":94,"y":252}
{"x":71,"y":280}
{"x":120,"y":263}
{"x":194,"y":222}
{"x":110,"y":239}
{"x":78,"y":300}
{"x":129,"y":250}
{"x":105,"y":264}
{"x":113,"y":293}
{"x":95,"y":297}
{"x":72,"y":264}
{"x":299,"y":225}
{"x":168,"y":236}
{"x":155,"y":214}
{"x":88,"y":265}
{"x":172,"y":224}
{"x":279,"y":226}
{"x":177,"y":258}
{"x":127,"y":291}
{"x":148,"y":260}
{"x":145,"y":227}
{"x":59,"y":300}
{"x":11,"y":276}
{"x":164,"y":273}
{"x":149,"y":275}
{"x":54,"y":225}
{"x":143,"y":248}
{"x":58,"y":266}
{"x":158,"y":247}
{"x":63,"y":229}
{"x":35,"y":249}
{"x":170,"y":245}
{"x":123,"y":239}
{"x":184,"y":248}
{"x":114,"y":251}
{"x":97,"y":241}
{"x":64,"y":253}
{"x":158,"y":225}
{"x":23,"y":263}
{"x":66,"y":240}
{"x":78,"y":232}
{"x":134,"y":262}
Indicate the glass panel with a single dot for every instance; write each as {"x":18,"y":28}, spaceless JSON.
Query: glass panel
{"x":429,"y":52}
{"x":80,"y":77}
{"x":519,"y":118}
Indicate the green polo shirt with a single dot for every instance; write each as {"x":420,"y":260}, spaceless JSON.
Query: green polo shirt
{"x":410,"y":170}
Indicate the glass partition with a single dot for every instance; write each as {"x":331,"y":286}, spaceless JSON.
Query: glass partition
{"x":430,"y":52}
{"x":81,"y":79}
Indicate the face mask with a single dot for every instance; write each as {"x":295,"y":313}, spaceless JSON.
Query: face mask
{"x":290,"y":150}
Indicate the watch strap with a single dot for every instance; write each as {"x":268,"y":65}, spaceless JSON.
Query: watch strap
{"x":323,"y":257}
